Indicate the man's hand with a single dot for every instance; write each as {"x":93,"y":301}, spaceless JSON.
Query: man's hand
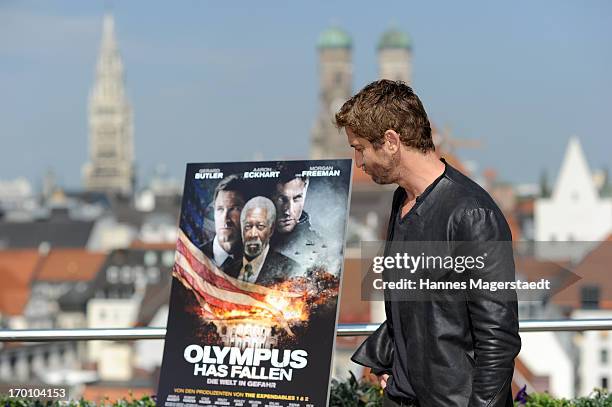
{"x":383,"y":380}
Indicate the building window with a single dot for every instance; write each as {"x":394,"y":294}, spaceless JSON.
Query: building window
{"x":604,"y":382}
{"x":128,"y":292}
{"x":112,"y":275}
{"x":168,"y":258}
{"x":126,"y":275}
{"x":589,"y":297}
{"x":153,"y":275}
{"x":107,"y":153}
{"x":603,"y":356}
{"x":150,"y":258}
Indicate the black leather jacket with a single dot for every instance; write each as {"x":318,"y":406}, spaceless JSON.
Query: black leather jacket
{"x":460,"y":353}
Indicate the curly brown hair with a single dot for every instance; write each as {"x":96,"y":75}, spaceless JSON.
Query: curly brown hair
{"x":387,"y":105}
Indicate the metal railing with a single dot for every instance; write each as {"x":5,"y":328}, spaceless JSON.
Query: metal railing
{"x":125,"y":334}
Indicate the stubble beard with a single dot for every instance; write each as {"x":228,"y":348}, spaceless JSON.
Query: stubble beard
{"x":383,"y":175}
{"x":285,"y":228}
{"x":253,"y":247}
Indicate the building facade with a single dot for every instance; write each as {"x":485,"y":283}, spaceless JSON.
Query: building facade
{"x":575,"y":211}
{"x":335,"y":87}
{"x":111,"y":146}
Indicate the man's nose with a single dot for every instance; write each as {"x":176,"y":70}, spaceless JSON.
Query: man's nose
{"x":290,"y":207}
{"x":358,"y":159}
{"x":227,"y":217}
{"x":285,"y":207}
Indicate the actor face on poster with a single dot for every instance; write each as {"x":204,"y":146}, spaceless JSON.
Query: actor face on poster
{"x":225,"y":249}
{"x":257,"y":221}
{"x":295,"y":237}
{"x":290,"y":197}
{"x":228,"y":205}
{"x":260,"y":264}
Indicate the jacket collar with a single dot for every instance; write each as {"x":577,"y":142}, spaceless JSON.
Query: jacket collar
{"x":430,"y":194}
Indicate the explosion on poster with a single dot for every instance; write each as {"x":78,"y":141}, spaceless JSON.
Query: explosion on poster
{"x":256,"y":281}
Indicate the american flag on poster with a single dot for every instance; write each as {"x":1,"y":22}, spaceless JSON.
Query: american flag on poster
{"x":215,"y":290}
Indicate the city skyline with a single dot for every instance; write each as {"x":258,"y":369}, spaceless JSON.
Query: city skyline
{"x":205,"y":90}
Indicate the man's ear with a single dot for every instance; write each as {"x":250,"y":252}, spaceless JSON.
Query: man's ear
{"x":392,"y":140}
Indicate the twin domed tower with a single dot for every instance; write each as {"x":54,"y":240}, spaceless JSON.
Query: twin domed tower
{"x":335,"y":81}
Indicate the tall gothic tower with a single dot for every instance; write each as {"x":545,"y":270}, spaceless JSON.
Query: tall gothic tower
{"x":335,"y":87}
{"x":111,"y":144}
{"x":395,"y":56}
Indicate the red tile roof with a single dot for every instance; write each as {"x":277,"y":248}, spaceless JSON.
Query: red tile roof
{"x":594,"y":271}
{"x":526,"y":206}
{"x":515,"y":227}
{"x":70,"y":265}
{"x":17,"y":268}
{"x":532,"y":269}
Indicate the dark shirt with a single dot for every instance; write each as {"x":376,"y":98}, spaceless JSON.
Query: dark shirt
{"x":401,"y":227}
{"x":399,"y":385}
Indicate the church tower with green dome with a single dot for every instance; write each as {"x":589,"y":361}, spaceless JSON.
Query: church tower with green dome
{"x":335,"y":87}
{"x":395,"y":56}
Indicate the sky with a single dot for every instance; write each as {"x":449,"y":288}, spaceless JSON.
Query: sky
{"x":234,"y":81}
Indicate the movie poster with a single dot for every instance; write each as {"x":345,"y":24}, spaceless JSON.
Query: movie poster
{"x":255,"y":285}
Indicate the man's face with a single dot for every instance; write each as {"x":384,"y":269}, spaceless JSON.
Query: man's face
{"x":228,"y":205}
{"x":256,"y":231}
{"x":376,"y":162}
{"x":289,"y":200}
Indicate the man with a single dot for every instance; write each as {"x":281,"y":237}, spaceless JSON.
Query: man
{"x":260,"y":264}
{"x":225,"y":249}
{"x":294,"y":236}
{"x":442,"y":354}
